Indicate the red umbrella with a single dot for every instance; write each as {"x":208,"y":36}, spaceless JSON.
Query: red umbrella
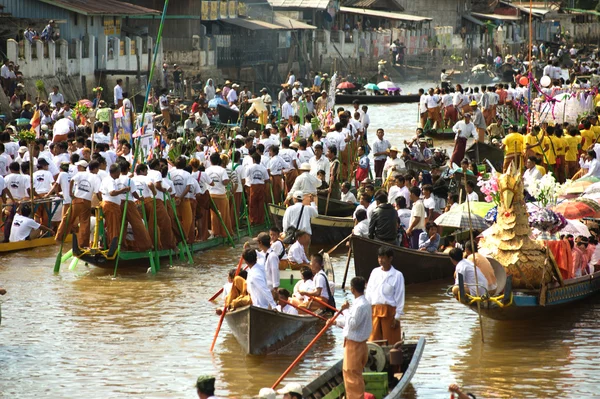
{"x":345,"y":85}
{"x":578,"y":209}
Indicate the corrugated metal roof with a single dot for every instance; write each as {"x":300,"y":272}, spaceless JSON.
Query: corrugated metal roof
{"x":102,"y":7}
{"x":252,"y":24}
{"x":290,"y":23}
{"x":371,"y":3}
{"x":473,"y":20}
{"x":499,"y":17}
{"x":384,"y":14}
{"x":300,"y":4}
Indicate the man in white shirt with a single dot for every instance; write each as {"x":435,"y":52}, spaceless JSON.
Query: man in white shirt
{"x":283,"y":306}
{"x":464,"y":130}
{"x":111,"y":203}
{"x":357,"y":330}
{"x":271,"y":261}
{"x":393,"y":164}
{"x":300,"y":214}
{"x":467,"y":269}
{"x":256,"y":176}
{"x":417,"y":218}
{"x":163,"y":103}
{"x":319,"y":162}
{"x":531,"y":172}
{"x":297,"y":251}
{"x":433,"y":101}
{"x":361,"y":228}
{"x":380,"y":152}
{"x":25,"y":228}
{"x":118,"y":93}
{"x":385,"y":293}
{"x":347,"y":195}
{"x":287,"y":111}
{"x":55,"y":97}
{"x":306,"y":182}
{"x":256,"y":282}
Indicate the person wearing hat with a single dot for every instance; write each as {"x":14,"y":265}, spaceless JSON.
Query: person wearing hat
{"x":393,"y":165}
{"x":464,"y":130}
{"x":190,"y":123}
{"x":293,"y":390}
{"x":266,"y":98}
{"x":306,"y":183}
{"x":226,"y":89}
{"x":267,"y":393}
{"x":84,"y":185}
{"x":321,"y":102}
{"x":205,"y":387}
{"x":357,"y":327}
{"x":297,"y":90}
{"x":232,"y":95}
{"x":478,"y":121}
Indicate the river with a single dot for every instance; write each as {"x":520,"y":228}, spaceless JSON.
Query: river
{"x":84,"y":333}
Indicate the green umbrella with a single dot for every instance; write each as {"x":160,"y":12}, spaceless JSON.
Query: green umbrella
{"x":478,"y":208}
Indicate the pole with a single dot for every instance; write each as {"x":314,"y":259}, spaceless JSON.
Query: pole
{"x":347,"y":266}
{"x":317,"y":300}
{"x":183,"y":238}
{"x":474,"y":260}
{"x":338,"y":244}
{"x":151,"y":255}
{"x":239,"y":267}
{"x":303,"y":309}
{"x":216,"y":210}
{"x":157,"y":261}
{"x":310,"y":345}
{"x":123,"y":219}
{"x":62,"y":241}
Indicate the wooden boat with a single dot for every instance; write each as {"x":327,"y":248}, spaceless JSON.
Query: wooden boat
{"x":330,"y":384}
{"x":336,"y":207}
{"x":227,"y":115}
{"x":416,"y":266}
{"x":106,"y":258}
{"x":325,"y":229}
{"x":457,"y":185}
{"x":29,"y":244}
{"x":478,"y":152}
{"x":442,"y":134}
{"x":417,"y":166}
{"x":514,"y":304}
{"x":261,"y":331}
{"x":377,"y":99}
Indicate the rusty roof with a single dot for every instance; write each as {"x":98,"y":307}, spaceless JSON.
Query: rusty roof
{"x":103,"y":7}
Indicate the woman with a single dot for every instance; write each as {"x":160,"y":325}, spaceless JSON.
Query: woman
{"x":209,"y":90}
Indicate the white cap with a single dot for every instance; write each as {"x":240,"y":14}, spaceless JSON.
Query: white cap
{"x":267,"y":393}
{"x":22,"y":149}
{"x":292,"y":387}
{"x":304,"y":166}
{"x":252,"y":132}
{"x":268,"y":126}
{"x":44,"y":127}
{"x":83,"y":163}
{"x":298,"y":195}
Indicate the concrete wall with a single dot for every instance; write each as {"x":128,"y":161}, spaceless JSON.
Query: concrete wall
{"x":443,"y":12}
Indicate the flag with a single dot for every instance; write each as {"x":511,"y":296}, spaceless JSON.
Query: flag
{"x":36,"y":122}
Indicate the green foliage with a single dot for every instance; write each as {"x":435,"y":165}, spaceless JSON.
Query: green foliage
{"x":39,"y":86}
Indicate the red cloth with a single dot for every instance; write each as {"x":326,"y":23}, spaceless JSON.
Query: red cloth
{"x":561,"y":250}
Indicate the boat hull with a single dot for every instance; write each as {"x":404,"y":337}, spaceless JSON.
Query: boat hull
{"x":262,"y":331}
{"x":336,"y":207}
{"x":30,"y":244}
{"x":378,"y":99}
{"x":416,"y":266}
{"x":477,"y":152}
{"x":526,"y":304}
{"x":325,"y":229}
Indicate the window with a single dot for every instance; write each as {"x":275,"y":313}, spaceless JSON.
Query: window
{"x":75,"y":19}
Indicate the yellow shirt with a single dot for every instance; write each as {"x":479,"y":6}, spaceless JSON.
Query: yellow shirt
{"x":550,"y":154}
{"x":596,"y":130}
{"x":513,"y":143}
{"x":541,"y":169}
{"x":596,"y":100}
{"x":530,"y":139}
{"x":572,"y":142}
{"x":588,"y":138}
{"x":559,"y":145}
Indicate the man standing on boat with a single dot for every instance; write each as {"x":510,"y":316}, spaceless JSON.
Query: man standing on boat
{"x":385,"y":293}
{"x":357,"y":329}
{"x":463,"y":129}
{"x":256,"y":282}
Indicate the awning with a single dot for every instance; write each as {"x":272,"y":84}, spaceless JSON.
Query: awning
{"x":384,"y":14}
{"x":290,"y":23}
{"x":252,"y":24}
{"x":473,"y":20}
{"x":580,"y":11}
{"x":499,"y":17}
{"x":300,"y":4}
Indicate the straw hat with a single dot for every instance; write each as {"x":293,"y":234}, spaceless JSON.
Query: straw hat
{"x":295,"y":144}
{"x":305,"y":166}
{"x":381,"y":62}
{"x":394,"y":148}
{"x":227,"y":82}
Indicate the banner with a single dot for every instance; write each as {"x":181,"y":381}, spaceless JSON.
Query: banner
{"x":147,"y":138}
{"x":122,"y":124}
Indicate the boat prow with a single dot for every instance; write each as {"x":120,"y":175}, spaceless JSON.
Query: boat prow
{"x":261,"y":331}
{"x":29,"y":244}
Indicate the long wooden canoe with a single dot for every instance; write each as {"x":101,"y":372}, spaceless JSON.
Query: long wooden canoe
{"x":261,"y":331}
{"x":336,"y":207}
{"x":377,"y":99}
{"x":29,"y":244}
{"x":325,"y":229}
{"x":330,"y":384}
{"x":477,"y":152}
{"x":416,"y":266}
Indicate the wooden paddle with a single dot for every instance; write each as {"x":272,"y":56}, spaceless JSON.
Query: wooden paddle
{"x":347,"y":266}
{"x":239,"y":267}
{"x":317,"y":300}
{"x":308,"y":347}
{"x":212,"y":346}
{"x":303,"y":309}
{"x":338,"y":244}
{"x":62,"y":242}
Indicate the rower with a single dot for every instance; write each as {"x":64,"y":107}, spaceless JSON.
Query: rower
{"x":111,"y":203}
{"x":306,"y":182}
{"x":306,"y":284}
{"x":257,"y":282}
{"x":293,"y":390}
{"x":283,"y":307}
{"x":271,"y":261}
{"x":357,"y":329}
{"x":205,"y":387}
{"x":256,"y":177}
{"x":467,"y":269}
{"x":42,"y":183}
{"x":297,"y":251}
{"x":322,"y":289}
{"x":385,"y":292}
{"x":142,"y":241}
{"x":24,"y":227}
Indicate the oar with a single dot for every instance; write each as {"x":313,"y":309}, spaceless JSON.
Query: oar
{"x":317,"y":300}
{"x":68,"y":255}
{"x":303,"y":309}
{"x":239,"y":267}
{"x":183,"y":236}
{"x":338,"y":244}
{"x":212,"y":346}
{"x":62,"y":242}
{"x":308,"y":347}
{"x":218,"y":212}
{"x":347,"y":266}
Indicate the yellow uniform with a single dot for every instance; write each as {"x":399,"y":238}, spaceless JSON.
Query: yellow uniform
{"x":573,"y":143}
{"x":530,"y":139}
{"x":559,"y":145}
{"x":596,"y":130}
{"x":588,"y":138}
{"x":541,"y":169}
{"x":513,"y":143}
{"x":550,"y":154}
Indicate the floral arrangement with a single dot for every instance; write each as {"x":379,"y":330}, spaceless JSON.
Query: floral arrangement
{"x":546,"y":190}
{"x":81,"y":109}
{"x":28,"y":136}
{"x":490,"y":189}
{"x":547,"y":220}
{"x":98,"y":89}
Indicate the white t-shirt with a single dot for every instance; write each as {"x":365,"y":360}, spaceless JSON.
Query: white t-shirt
{"x":86,"y":184}
{"x":255,"y":174}
{"x":5,"y":160}
{"x":180,"y":179}
{"x":18,"y":185}
{"x":42,"y":181}
{"x":107,"y":186}
{"x":21,"y":228}
{"x":218,"y":175}
{"x":418,"y":210}
{"x":63,"y":180}
{"x":118,"y":94}
{"x":404,"y":216}
{"x":466,"y":268}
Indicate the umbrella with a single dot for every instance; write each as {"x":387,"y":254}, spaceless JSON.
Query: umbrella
{"x":216,"y":101}
{"x":578,"y":187}
{"x":386,"y":85}
{"x":86,"y":102}
{"x":576,"y":228}
{"x":345,"y":85}
{"x":479,"y":208}
{"x":460,"y":220}
{"x":579,"y":208}
{"x":371,"y":86}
